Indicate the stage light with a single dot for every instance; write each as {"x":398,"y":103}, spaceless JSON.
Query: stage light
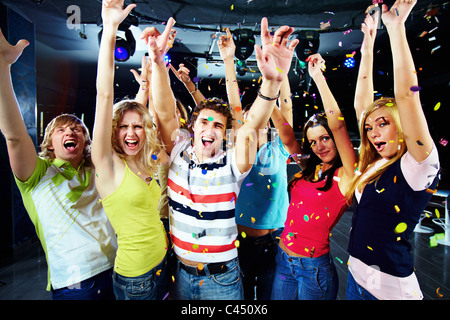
{"x":125,"y":48}
{"x":167,"y":59}
{"x":241,"y":67}
{"x":349,"y":62}
{"x":245,"y":42}
{"x":309,"y":41}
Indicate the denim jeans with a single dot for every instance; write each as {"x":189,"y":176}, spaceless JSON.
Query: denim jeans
{"x":304,"y":278}
{"x":257,"y":261}
{"x":355,"y":292}
{"x":152,"y":285}
{"x":98,"y":287}
{"x":220,"y":286}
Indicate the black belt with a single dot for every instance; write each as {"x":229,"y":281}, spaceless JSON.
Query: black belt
{"x":213,"y":268}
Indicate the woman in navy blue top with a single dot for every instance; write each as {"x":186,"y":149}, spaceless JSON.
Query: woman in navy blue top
{"x":396,"y":173}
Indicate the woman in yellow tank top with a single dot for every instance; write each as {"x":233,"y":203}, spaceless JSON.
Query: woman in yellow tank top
{"x":124,"y":152}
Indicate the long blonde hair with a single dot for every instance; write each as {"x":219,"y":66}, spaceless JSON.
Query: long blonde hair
{"x":367,"y":152}
{"x":152,"y":146}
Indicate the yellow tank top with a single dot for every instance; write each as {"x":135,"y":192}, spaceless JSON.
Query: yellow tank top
{"x":132,"y":210}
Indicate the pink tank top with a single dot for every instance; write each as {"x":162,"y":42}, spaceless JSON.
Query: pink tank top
{"x":311,"y":216}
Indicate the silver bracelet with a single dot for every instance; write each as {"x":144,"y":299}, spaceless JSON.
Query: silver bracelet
{"x":267,"y":98}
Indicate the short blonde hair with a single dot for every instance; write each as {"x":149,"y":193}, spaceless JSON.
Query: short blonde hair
{"x":60,"y":121}
{"x":367,"y":152}
{"x":152,"y":145}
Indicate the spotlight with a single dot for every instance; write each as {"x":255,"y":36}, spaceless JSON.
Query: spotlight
{"x":349,"y":62}
{"x":245,"y":42}
{"x":125,"y":48}
{"x":308,"y":43}
{"x":241,"y":67}
{"x":167,"y":59}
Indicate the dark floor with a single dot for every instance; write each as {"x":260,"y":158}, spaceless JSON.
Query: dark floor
{"x":26,"y":278}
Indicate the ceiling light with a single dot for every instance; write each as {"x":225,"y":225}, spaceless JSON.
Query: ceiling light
{"x":308,"y":43}
{"x":245,"y":43}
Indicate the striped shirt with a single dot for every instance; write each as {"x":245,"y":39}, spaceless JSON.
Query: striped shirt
{"x":202,"y":198}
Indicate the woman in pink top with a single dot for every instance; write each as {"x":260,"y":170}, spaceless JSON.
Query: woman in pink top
{"x":305,"y":270}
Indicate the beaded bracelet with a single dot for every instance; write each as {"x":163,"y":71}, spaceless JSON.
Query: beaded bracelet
{"x":267,"y":98}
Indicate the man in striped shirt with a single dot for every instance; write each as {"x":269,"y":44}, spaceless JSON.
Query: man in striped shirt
{"x":204,"y":180}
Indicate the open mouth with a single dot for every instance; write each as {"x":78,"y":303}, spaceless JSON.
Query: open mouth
{"x":70,"y":145}
{"x":207,"y":141}
{"x":132,"y":144}
{"x":379,"y":145}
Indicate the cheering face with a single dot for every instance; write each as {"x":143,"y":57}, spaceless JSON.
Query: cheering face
{"x":68,"y":143}
{"x":382,"y":132}
{"x":131,"y":133}
{"x":322,"y":144}
{"x":209,"y":132}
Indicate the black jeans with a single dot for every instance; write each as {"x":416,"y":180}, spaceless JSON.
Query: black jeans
{"x":257,"y":261}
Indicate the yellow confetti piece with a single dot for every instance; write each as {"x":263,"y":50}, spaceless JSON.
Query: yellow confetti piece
{"x":253,"y":219}
{"x":395,"y":179}
{"x":397,"y":208}
{"x":290,"y":244}
{"x":438,"y":214}
{"x":232,"y":7}
{"x":440,"y":295}
{"x":437,"y":106}
{"x":200,"y":266}
{"x":243,"y":234}
{"x":341,"y":118}
{"x":401,"y":227}
{"x":173,"y":279}
{"x":370,"y":248}
{"x":158,"y":273}
{"x":237,"y":243}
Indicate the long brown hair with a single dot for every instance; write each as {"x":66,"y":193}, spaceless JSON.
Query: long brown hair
{"x":367,"y":152}
{"x":309,"y":171}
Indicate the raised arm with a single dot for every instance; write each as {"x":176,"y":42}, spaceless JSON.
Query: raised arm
{"x":112,"y":15}
{"x":227,"y":49}
{"x":21,"y":150}
{"x":285,"y":131}
{"x":274,"y":61}
{"x":285,"y":101}
{"x":417,"y":136}
{"x":334,"y":115}
{"x":183,"y":75}
{"x":364,"y":91}
{"x":162,"y":94}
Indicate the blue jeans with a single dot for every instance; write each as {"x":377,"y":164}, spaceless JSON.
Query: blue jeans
{"x":98,"y":287}
{"x":304,"y":278}
{"x":149,"y":286}
{"x":219,"y":286}
{"x":257,"y":262}
{"x":355,"y":292}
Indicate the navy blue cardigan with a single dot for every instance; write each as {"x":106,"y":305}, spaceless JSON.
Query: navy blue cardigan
{"x":373,"y":239}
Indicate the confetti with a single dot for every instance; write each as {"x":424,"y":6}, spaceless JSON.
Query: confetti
{"x":440,"y":295}
{"x":339,"y":260}
{"x":279,"y":70}
{"x":232,"y":7}
{"x":204,"y":171}
{"x":437,"y":213}
{"x":437,"y":106}
{"x":370,"y":248}
{"x":243,"y":234}
{"x":158,"y":273}
{"x":210,"y":118}
{"x":415,"y":88}
{"x":401,"y":227}
{"x":397,"y":208}
{"x":253,"y":219}
{"x":237,"y":243}
{"x":306,"y":218}
{"x":200,"y":266}
{"x":200,"y":284}
{"x":443,"y":142}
